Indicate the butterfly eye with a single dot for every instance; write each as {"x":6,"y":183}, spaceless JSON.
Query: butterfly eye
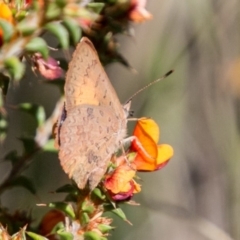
{"x":63,"y":115}
{"x":131,"y":113}
{"x":126,"y":108}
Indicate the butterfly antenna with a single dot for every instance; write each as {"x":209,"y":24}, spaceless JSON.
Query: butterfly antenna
{"x":142,"y":89}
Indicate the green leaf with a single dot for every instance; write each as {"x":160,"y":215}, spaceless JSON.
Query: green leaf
{"x":105,"y":228}
{"x":96,"y":6}
{"x":98,"y":193}
{"x":3,"y":124}
{"x":123,"y":61}
{"x":68,"y":188}
{"x":7,"y":29}
{"x":73,"y":28}
{"x":86,"y":207}
{"x":91,"y":235}
{"x":28,"y":25}
{"x":4,"y":82}
{"x":64,"y":235}
{"x":85,"y":219}
{"x":23,"y":181}
{"x":57,"y":227}
{"x":61,"y":3}
{"x":29,"y":144}
{"x":36,"y":236}
{"x":119,"y":212}
{"x":38,"y":45}
{"x":35,"y":110}
{"x":49,"y":146}
{"x":40,"y":115}
{"x":3,"y":128}
{"x":64,"y":207}
{"x":53,"y":11}
{"x":60,"y":32}
{"x":21,"y":15}
{"x":12,"y":157}
{"x":14,"y":67}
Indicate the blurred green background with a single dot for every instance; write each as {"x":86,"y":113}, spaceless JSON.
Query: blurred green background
{"x":197,"y":195}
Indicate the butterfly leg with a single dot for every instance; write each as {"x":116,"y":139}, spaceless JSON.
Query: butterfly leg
{"x":138,"y":144}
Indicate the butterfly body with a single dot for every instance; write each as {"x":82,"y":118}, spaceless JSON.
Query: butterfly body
{"x":95,"y":121}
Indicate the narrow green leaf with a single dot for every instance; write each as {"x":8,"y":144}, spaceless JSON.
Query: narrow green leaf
{"x":73,"y":28}
{"x":63,"y":235}
{"x":71,"y":197}
{"x":36,"y":236}
{"x":12,"y":157}
{"x":91,"y":235}
{"x":64,"y":207}
{"x":123,"y":61}
{"x":96,"y":6}
{"x":28,"y":25}
{"x":61,"y":3}
{"x":40,"y":115}
{"x":60,"y":32}
{"x":49,"y":146}
{"x":53,"y":11}
{"x":68,"y":188}
{"x":3,"y":124}
{"x":21,"y":15}
{"x":28,"y":107}
{"x":35,"y":110}
{"x":29,"y":144}
{"x":98,"y":193}
{"x":14,"y":67}
{"x":4,"y":82}
{"x":59,"y":226}
{"x":7,"y":29}
{"x":38,"y":45}
{"x":105,"y":228}
{"x":23,"y":181}
{"x":119,"y":212}
{"x":86,"y":207}
{"x":85,"y":219}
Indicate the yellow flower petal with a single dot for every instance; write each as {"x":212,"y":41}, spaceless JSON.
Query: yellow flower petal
{"x":149,"y":155}
{"x":5,"y":12}
{"x":165,"y":152}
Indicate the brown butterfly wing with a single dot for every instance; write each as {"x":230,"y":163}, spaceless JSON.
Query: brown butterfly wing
{"x":87,"y":82}
{"x":95,"y":122}
{"x":89,"y":136}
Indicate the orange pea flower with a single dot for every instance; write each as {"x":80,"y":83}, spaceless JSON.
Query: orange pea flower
{"x":145,"y":155}
{"x":120,"y":182}
{"x":150,"y":156}
{"x":5,"y":12}
{"x":138,"y":12}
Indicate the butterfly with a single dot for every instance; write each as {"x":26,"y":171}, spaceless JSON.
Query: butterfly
{"x":93,"y":122}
